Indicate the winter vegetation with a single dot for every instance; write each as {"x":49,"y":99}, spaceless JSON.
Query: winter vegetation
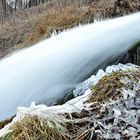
{"x":104,"y":104}
{"x":25,"y":27}
{"x":107,"y":108}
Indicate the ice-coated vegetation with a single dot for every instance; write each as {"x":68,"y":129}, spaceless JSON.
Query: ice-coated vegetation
{"x":114,"y":116}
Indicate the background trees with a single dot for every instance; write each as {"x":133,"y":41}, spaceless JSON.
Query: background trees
{"x":8,"y":6}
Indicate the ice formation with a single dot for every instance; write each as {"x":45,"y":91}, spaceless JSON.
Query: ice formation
{"x":112,"y":119}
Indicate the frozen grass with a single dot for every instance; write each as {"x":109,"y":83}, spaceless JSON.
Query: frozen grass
{"x":34,"y":128}
{"x":109,"y":87}
{"x":115,"y":116}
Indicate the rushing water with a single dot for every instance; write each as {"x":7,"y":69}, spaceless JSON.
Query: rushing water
{"x":45,"y":71}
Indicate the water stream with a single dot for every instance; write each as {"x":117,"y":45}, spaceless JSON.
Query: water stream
{"x":46,"y":71}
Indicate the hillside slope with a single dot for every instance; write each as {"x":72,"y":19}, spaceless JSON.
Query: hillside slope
{"x":27,"y":27}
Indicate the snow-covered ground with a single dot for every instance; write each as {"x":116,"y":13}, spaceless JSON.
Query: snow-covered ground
{"x":124,"y":112}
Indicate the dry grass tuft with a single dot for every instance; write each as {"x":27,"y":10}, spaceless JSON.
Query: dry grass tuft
{"x":34,"y":128}
{"x":107,"y":87}
{"x":57,"y":21}
{"x":110,"y":85}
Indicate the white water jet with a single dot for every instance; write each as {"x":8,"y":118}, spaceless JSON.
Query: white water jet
{"x":43,"y":73}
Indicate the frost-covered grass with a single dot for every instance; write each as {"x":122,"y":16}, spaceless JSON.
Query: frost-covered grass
{"x":109,"y":87}
{"x":34,"y":128}
{"x":82,"y":117}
